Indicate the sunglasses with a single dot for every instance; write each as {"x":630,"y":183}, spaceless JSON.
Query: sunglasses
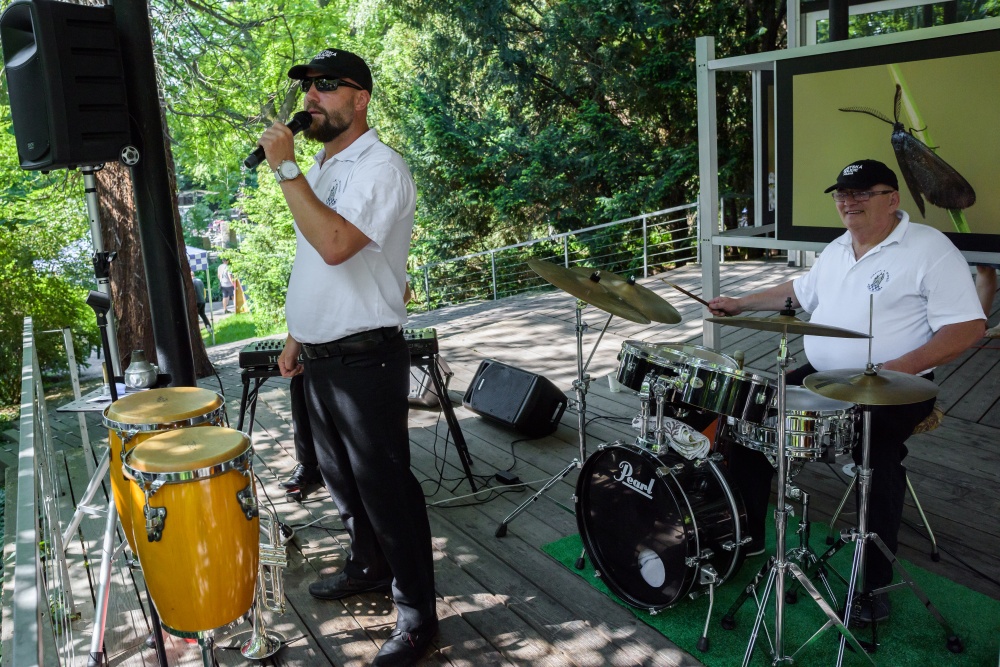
{"x":325,"y":85}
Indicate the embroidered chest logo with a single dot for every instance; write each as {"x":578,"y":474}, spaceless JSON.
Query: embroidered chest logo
{"x":625,"y":477}
{"x":879,"y":280}
{"x":331,"y":199}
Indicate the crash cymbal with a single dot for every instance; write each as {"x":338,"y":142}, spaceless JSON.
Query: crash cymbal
{"x":643,"y":299}
{"x":585,"y":289}
{"x":788,"y":324}
{"x":883,"y":388}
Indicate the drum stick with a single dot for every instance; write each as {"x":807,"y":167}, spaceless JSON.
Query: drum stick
{"x":684,"y":291}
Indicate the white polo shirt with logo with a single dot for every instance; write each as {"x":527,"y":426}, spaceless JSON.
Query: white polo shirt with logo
{"x":370,"y":185}
{"x":919,"y":280}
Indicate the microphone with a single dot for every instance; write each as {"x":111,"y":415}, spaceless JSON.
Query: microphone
{"x":299,"y":122}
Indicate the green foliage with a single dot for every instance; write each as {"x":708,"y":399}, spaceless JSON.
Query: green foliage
{"x":45,"y":265}
{"x":520,"y":119}
{"x":238,"y":327}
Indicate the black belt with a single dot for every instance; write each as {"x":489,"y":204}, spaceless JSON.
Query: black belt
{"x":359,"y":342}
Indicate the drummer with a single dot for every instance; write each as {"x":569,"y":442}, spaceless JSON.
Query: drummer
{"x":926,"y":313}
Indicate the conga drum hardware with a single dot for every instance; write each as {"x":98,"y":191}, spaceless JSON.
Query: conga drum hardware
{"x":136,"y":417}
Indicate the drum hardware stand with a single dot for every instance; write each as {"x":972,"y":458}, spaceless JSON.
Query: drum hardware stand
{"x":860,"y":537}
{"x":777,"y":566}
{"x":831,"y":539}
{"x":581,"y":385}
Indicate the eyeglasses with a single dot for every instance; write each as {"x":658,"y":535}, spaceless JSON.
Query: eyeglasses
{"x":325,"y":85}
{"x":859,"y":196}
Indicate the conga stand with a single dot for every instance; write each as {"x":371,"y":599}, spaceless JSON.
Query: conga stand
{"x":777,"y":567}
{"x":581,"y":384}
{"x":101,"y":304}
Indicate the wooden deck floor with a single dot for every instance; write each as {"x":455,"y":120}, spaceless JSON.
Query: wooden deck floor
{"x":503,"y":601}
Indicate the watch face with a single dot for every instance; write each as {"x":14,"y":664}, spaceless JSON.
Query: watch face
{"x":288,"y":170}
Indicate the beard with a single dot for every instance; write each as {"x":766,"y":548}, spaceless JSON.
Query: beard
{"x":327,"y":127}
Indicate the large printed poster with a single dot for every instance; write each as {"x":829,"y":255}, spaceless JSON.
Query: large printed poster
{"x":838,"y":108}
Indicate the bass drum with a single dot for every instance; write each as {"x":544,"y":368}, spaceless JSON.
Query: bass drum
{"x":646,"y":518}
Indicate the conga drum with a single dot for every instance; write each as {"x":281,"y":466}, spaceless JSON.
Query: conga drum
{"x":196,"y":527}
{"x":133,"y":418}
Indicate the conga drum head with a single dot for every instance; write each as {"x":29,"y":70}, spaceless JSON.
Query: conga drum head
{"x":643,"y":516}
{"x":135,"y":417}
{"x":195,"y":525}
{"x":187,"y":450}
{"x":162,"y":409}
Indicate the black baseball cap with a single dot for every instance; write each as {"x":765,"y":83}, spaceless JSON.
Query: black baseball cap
{"x":336,"y":63}
{"x":864,"y":174}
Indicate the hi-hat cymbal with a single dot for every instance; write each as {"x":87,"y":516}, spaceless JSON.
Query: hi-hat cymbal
{"x":585,"y":289}
{"x":787,"y":324}
{"x":883,"y":388}
{"x":643,"y":299}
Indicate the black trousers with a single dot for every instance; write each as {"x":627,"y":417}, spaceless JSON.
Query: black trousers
{"x":358,"y":409}
{"x":305,"y":448}
{"x":204,"y":317}
{"x":891,"y":425}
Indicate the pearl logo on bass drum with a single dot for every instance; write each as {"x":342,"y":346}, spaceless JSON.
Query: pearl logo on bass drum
{"x":626,"y":478}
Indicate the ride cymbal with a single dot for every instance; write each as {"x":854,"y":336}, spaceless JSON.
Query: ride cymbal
{"x":643,"y":299}
{"x":585,"y":289}
{"x":787,"y":324}
{"x":855,"y":385}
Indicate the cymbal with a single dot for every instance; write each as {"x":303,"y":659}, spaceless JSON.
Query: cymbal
{"x":585,"y":289}
{"x":787,"y":324}
{"x":882,"y":388}
{"x":643,"y":299}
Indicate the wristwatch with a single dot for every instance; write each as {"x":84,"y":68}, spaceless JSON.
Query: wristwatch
{"x":287,"y":171}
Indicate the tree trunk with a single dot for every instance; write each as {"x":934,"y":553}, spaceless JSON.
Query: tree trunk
{"x":130,"y":297}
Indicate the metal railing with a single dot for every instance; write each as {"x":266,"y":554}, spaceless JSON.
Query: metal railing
{"x":42,"y":602}
{"x":642,"y":244}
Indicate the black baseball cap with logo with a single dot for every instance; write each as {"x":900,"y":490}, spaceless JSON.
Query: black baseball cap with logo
{"x":336,"y":63}
{"x":864,"y":174}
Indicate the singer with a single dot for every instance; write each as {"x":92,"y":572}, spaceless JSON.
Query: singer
{"x":353,"y":214}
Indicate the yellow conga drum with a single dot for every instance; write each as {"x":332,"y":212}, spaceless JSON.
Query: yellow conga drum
{"x":133,"y":418}
{"x":194,"y":520}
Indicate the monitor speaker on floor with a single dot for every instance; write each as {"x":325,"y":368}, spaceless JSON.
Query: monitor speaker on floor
{"x":517,"y":398}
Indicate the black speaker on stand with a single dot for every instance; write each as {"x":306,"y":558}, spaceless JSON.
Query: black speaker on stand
{"x":507,"y":395}
{"x":66,"y":84}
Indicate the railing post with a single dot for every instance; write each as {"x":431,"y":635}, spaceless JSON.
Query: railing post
{"x":645,"y":249}
{"x":493,"y":267}
{"x":566,"y":251}
{"x":427,"y":287}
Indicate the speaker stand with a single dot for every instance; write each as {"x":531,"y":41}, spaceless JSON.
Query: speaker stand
{"x":428,"y":363}
{"x":581,"y":385}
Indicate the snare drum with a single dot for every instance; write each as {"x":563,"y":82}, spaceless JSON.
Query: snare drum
{"x":815,"y":427}
{"x":194,"y":518}
{"x":134,"y":418}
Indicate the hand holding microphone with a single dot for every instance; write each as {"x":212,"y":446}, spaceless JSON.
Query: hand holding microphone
{"x":300,"y":121}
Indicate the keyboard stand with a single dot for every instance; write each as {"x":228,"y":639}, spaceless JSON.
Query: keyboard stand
{"x":428,"y":363}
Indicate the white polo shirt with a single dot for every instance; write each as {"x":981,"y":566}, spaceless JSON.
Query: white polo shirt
{"x":920,"y":283}
{"x":370,"y":186}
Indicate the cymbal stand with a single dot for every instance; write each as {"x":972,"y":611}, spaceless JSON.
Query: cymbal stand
{"x":778,"y":564}
{"x":861,"y":537}
{"x":581,"y":385}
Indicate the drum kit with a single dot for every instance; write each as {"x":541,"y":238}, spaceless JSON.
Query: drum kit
{"x":659,"y":525}
{"x":184,"y":490}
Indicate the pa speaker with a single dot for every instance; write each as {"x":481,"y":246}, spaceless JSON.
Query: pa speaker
{"x":66,"y":84}
{"x":514,"y":397}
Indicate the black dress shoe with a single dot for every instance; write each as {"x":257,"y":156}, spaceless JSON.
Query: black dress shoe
{"x":405,"y":648}
{"x":341,"y":586}
{"x":865,"y":612}
{"x":302,"y":476}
